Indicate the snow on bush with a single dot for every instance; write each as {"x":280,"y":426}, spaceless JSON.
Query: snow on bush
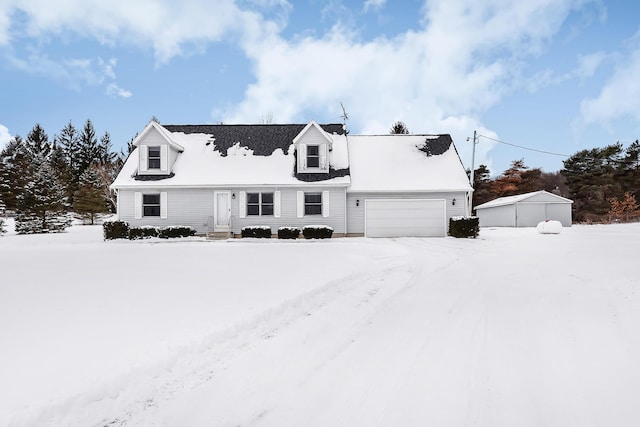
{"x":317,"y":231}
{"x":549,"y":227}
{"x":257,"y":231}
{"x":288,"y":233}
{"x":464,"y":226}
{"x":142,"y":232}
{"x":176,"y":231}
{"x":115,"y":230}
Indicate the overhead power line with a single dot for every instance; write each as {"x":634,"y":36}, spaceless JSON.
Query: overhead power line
{"x":524,"y":148}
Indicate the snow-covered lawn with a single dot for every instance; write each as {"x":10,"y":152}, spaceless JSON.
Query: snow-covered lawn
{"x":511,"y":329}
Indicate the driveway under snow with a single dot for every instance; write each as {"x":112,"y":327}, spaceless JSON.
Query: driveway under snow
{"x":513,"y":328}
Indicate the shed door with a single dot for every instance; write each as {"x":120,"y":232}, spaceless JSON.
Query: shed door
{"x":405,"y":218}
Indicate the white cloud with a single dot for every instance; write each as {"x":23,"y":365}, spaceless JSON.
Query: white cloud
{"x":373,"y":5}
{"x":619,"y":97}
{"x":440,"y":78}
{"x":116,"y":91}
{"x":171,"y":28}
{"x":5,"y":136}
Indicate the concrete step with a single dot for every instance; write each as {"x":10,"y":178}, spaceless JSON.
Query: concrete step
{"x":219,"y":235}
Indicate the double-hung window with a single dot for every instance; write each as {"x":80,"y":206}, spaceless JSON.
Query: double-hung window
{"x":313,"y":203}
{"x":154,"y":158}
{"x":151,"y":204}
{"x":313,"y":156}
{"x":259,"y":204}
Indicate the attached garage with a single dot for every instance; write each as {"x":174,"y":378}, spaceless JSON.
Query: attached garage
{"x":525,"y":210}
{"x":405,"y":217}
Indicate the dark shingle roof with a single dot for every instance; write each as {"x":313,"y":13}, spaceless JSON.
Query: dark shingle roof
{"x":262,"y":139}
{"x":436,"y":146}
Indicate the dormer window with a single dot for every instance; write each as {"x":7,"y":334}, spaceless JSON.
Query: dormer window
{"x":313,"y":156}
{"x":154,"y":158}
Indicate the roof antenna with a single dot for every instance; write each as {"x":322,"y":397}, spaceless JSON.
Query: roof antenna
{"x":344,"y":117}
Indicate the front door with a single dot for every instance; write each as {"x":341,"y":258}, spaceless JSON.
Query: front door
{"x":222,"y":210}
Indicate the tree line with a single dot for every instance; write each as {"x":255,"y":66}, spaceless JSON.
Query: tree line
{"x":604,"y":183}
{"x":43,"y":180}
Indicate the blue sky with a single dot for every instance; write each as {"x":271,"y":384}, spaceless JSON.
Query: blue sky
{"x":552,"y":75}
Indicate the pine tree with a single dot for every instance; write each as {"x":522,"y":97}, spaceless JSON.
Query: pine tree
{"x":399,"y":128}
{"x":69,"y":142}
{"x":41,"y":204}
{"x":89,"y":199}
{"x":38,"y":142}
{"x":15,"y":161}
{"x":482,"y":185}
{"x":89,"y":151}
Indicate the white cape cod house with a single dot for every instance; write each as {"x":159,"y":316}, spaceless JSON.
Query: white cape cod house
{"x":221,"y":178}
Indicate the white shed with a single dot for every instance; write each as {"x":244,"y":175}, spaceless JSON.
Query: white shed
{"x":525,"y":210}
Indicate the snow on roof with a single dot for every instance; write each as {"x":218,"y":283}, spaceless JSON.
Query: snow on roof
{"x":509,"y":200}
{"x":405,"y":163}
{"x":213,"y":158}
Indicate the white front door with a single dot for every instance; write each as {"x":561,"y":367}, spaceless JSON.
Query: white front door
{"x":222,"y":210}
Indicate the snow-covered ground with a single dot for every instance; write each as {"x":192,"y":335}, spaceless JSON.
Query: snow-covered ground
{"x":512,"y":329}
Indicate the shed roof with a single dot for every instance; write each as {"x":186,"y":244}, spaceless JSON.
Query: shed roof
{"x":534,"y":196}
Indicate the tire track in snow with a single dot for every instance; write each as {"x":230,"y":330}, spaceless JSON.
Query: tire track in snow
{"x":124,"y":399}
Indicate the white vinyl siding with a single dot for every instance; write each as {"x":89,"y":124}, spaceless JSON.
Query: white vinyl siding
{"x":138,"y":205}
{"x":193,"y":207}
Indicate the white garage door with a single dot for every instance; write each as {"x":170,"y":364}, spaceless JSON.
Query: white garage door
{"x":405,"y":217}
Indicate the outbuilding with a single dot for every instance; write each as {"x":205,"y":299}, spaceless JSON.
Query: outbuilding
{"x":525,"y":210}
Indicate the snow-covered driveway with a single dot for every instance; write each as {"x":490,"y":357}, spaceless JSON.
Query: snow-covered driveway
{"x":514,"y":328}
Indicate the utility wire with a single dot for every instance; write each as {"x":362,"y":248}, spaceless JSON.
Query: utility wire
{"x":523,"y":147}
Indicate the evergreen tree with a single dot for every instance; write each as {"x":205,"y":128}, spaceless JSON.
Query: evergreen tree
{"x":38,"y":142}
{"x":482,"y":185}
{"x":89,"y":151}
{"x":89,"y":199}
{"x":69,"y":143}
{"x":41,"y":204}
{"x":105,"y":155}
{"x":591,"y":178}
{"x":399,"y":128}
{"x":15,"y":161}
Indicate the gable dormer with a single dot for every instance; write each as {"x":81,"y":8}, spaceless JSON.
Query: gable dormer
{"x":313,"y":146}
{"x":157,"y":152}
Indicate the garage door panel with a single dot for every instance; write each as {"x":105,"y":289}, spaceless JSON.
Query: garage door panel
{"x":405,"y":217}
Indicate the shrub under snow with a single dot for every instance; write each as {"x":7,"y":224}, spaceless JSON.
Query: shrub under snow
{"x":317,"y":232}
{"x":257,"y":231}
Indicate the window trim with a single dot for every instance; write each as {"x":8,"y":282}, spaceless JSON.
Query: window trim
{"x":260,"y":204}
{"x":151,"y":205}
{"x":154,"y":158}
{"x":315,"y":205}
{"x":313,"y":158}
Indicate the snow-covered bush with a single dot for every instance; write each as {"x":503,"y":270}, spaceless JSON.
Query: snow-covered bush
{"x":176,"y":231}
{"x":464,"y":226}
{"x":258,"y":231}
{"x":142,"y":232}
{"x":288,"y":233}
{"x":317,"y":232}
{"x":115,"y":230}
{"x":48,"y":222}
